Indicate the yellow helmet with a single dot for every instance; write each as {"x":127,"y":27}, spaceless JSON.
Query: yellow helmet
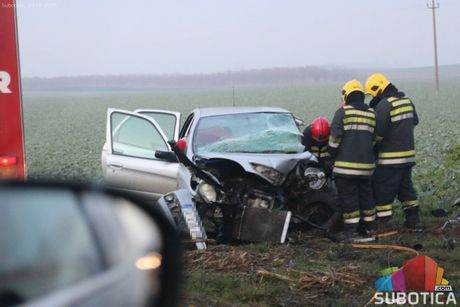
{"x":376,"y":84}
{"x":350,"y":87}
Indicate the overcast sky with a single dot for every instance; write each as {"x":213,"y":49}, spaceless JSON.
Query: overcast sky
{"x":81,"y":37}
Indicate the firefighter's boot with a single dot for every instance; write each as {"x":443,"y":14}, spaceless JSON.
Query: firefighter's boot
{"x":412,"y":222}
{"x":369,"y":228}
{"x":350,"y":234}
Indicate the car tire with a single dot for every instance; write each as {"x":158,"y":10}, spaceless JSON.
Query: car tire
{"x":320,"y":208}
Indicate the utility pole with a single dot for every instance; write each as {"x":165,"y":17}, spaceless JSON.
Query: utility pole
{"x":433,"y":7}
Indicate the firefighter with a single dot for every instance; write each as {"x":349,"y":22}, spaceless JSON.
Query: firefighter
{"x":351,"y":146}
{"x":396,"y":118}
{"x":315,"y":140}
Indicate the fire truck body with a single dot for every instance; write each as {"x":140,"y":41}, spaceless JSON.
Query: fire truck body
{"x":12,"y":159}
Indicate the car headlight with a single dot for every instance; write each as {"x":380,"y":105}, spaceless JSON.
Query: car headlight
{"x":207,"y":192}
{"x":270,"y":173}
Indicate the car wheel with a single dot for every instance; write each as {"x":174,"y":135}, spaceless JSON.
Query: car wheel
{"x":321,"y":209}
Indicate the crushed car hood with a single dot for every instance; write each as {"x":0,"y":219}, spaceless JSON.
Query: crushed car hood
{"x":283,"y":163}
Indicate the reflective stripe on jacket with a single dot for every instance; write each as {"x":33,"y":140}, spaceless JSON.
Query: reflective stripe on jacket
{"x":352,"y":140}
{"x":396,"y":119}
{"x":320,"y":152}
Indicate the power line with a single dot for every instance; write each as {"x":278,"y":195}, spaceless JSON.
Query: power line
{"x":433,"y":7}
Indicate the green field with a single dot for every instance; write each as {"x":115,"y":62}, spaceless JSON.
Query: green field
{"x":65,"y":132}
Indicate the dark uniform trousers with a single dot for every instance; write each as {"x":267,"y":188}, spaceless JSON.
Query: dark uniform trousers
{"x":396,"y":118}
{"x":351,"y":146}
{"x":354,"y":191}
{"x":389,"y":182}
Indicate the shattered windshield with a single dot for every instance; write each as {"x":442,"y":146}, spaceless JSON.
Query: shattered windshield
{"x":248,"y":133}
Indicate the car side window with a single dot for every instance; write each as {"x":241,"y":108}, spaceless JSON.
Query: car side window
{"x":49,"y":245}
{"x":186,"y":127}
{"x":135,"y":136}
{"x":167,"y":122}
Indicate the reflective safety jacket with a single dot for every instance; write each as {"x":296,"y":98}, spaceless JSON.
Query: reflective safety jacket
{"x":396,"y":119}
{"x":318,"y":149}
{"x":352,"y":140}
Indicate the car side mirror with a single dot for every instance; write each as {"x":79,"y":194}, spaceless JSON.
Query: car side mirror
{"x":69,"y":245}
{"x":169,"y":156}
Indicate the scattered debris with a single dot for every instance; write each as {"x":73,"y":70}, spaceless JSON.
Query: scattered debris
{"x":448,"y":244}
{"x":229,"y":258}
{"x":452,"y":222}
{"x":450,"y":226}
{"x":275,"y":262}
{"x":439,"y":212}
{"x":457,"y":202}
{"x":318,"y":278}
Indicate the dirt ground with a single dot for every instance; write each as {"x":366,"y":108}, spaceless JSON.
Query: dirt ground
{"x":310,"y":270}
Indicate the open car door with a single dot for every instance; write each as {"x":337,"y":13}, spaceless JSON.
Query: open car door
{"x":128,"y":156}
{"x":169,"y":121}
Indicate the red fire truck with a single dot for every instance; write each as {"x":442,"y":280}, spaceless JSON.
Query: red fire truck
{"x":12,"y":159}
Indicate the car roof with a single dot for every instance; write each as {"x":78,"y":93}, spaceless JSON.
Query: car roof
{"x":214,"y":111}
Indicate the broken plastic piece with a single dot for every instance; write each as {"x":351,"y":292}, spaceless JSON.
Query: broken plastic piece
{"x":448,"y":244}
{"x":457,"y":202}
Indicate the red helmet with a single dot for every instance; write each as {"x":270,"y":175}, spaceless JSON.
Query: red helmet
{"x":320,"y":129}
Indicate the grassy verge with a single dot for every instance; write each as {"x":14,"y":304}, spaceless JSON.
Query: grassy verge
{"x":310,"y":270}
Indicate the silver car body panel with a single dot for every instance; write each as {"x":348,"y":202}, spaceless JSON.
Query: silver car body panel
{"x":148,"y":178}
{"x":283,"y":163}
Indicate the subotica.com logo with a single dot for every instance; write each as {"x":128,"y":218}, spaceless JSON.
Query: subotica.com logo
{"x":420,"y":281}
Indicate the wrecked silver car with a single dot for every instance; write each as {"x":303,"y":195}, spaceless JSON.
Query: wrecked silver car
{"x":243,"y":175}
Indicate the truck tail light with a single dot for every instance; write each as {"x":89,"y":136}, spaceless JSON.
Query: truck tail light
{"x":6,"y":161}
{"x":8,"y":167}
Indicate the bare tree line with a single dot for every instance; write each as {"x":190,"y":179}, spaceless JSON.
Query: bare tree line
{"x":258,"y":77}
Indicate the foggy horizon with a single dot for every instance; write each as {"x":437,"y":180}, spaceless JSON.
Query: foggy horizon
{"x":70,"y":38}
{"x":192,"y":74}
